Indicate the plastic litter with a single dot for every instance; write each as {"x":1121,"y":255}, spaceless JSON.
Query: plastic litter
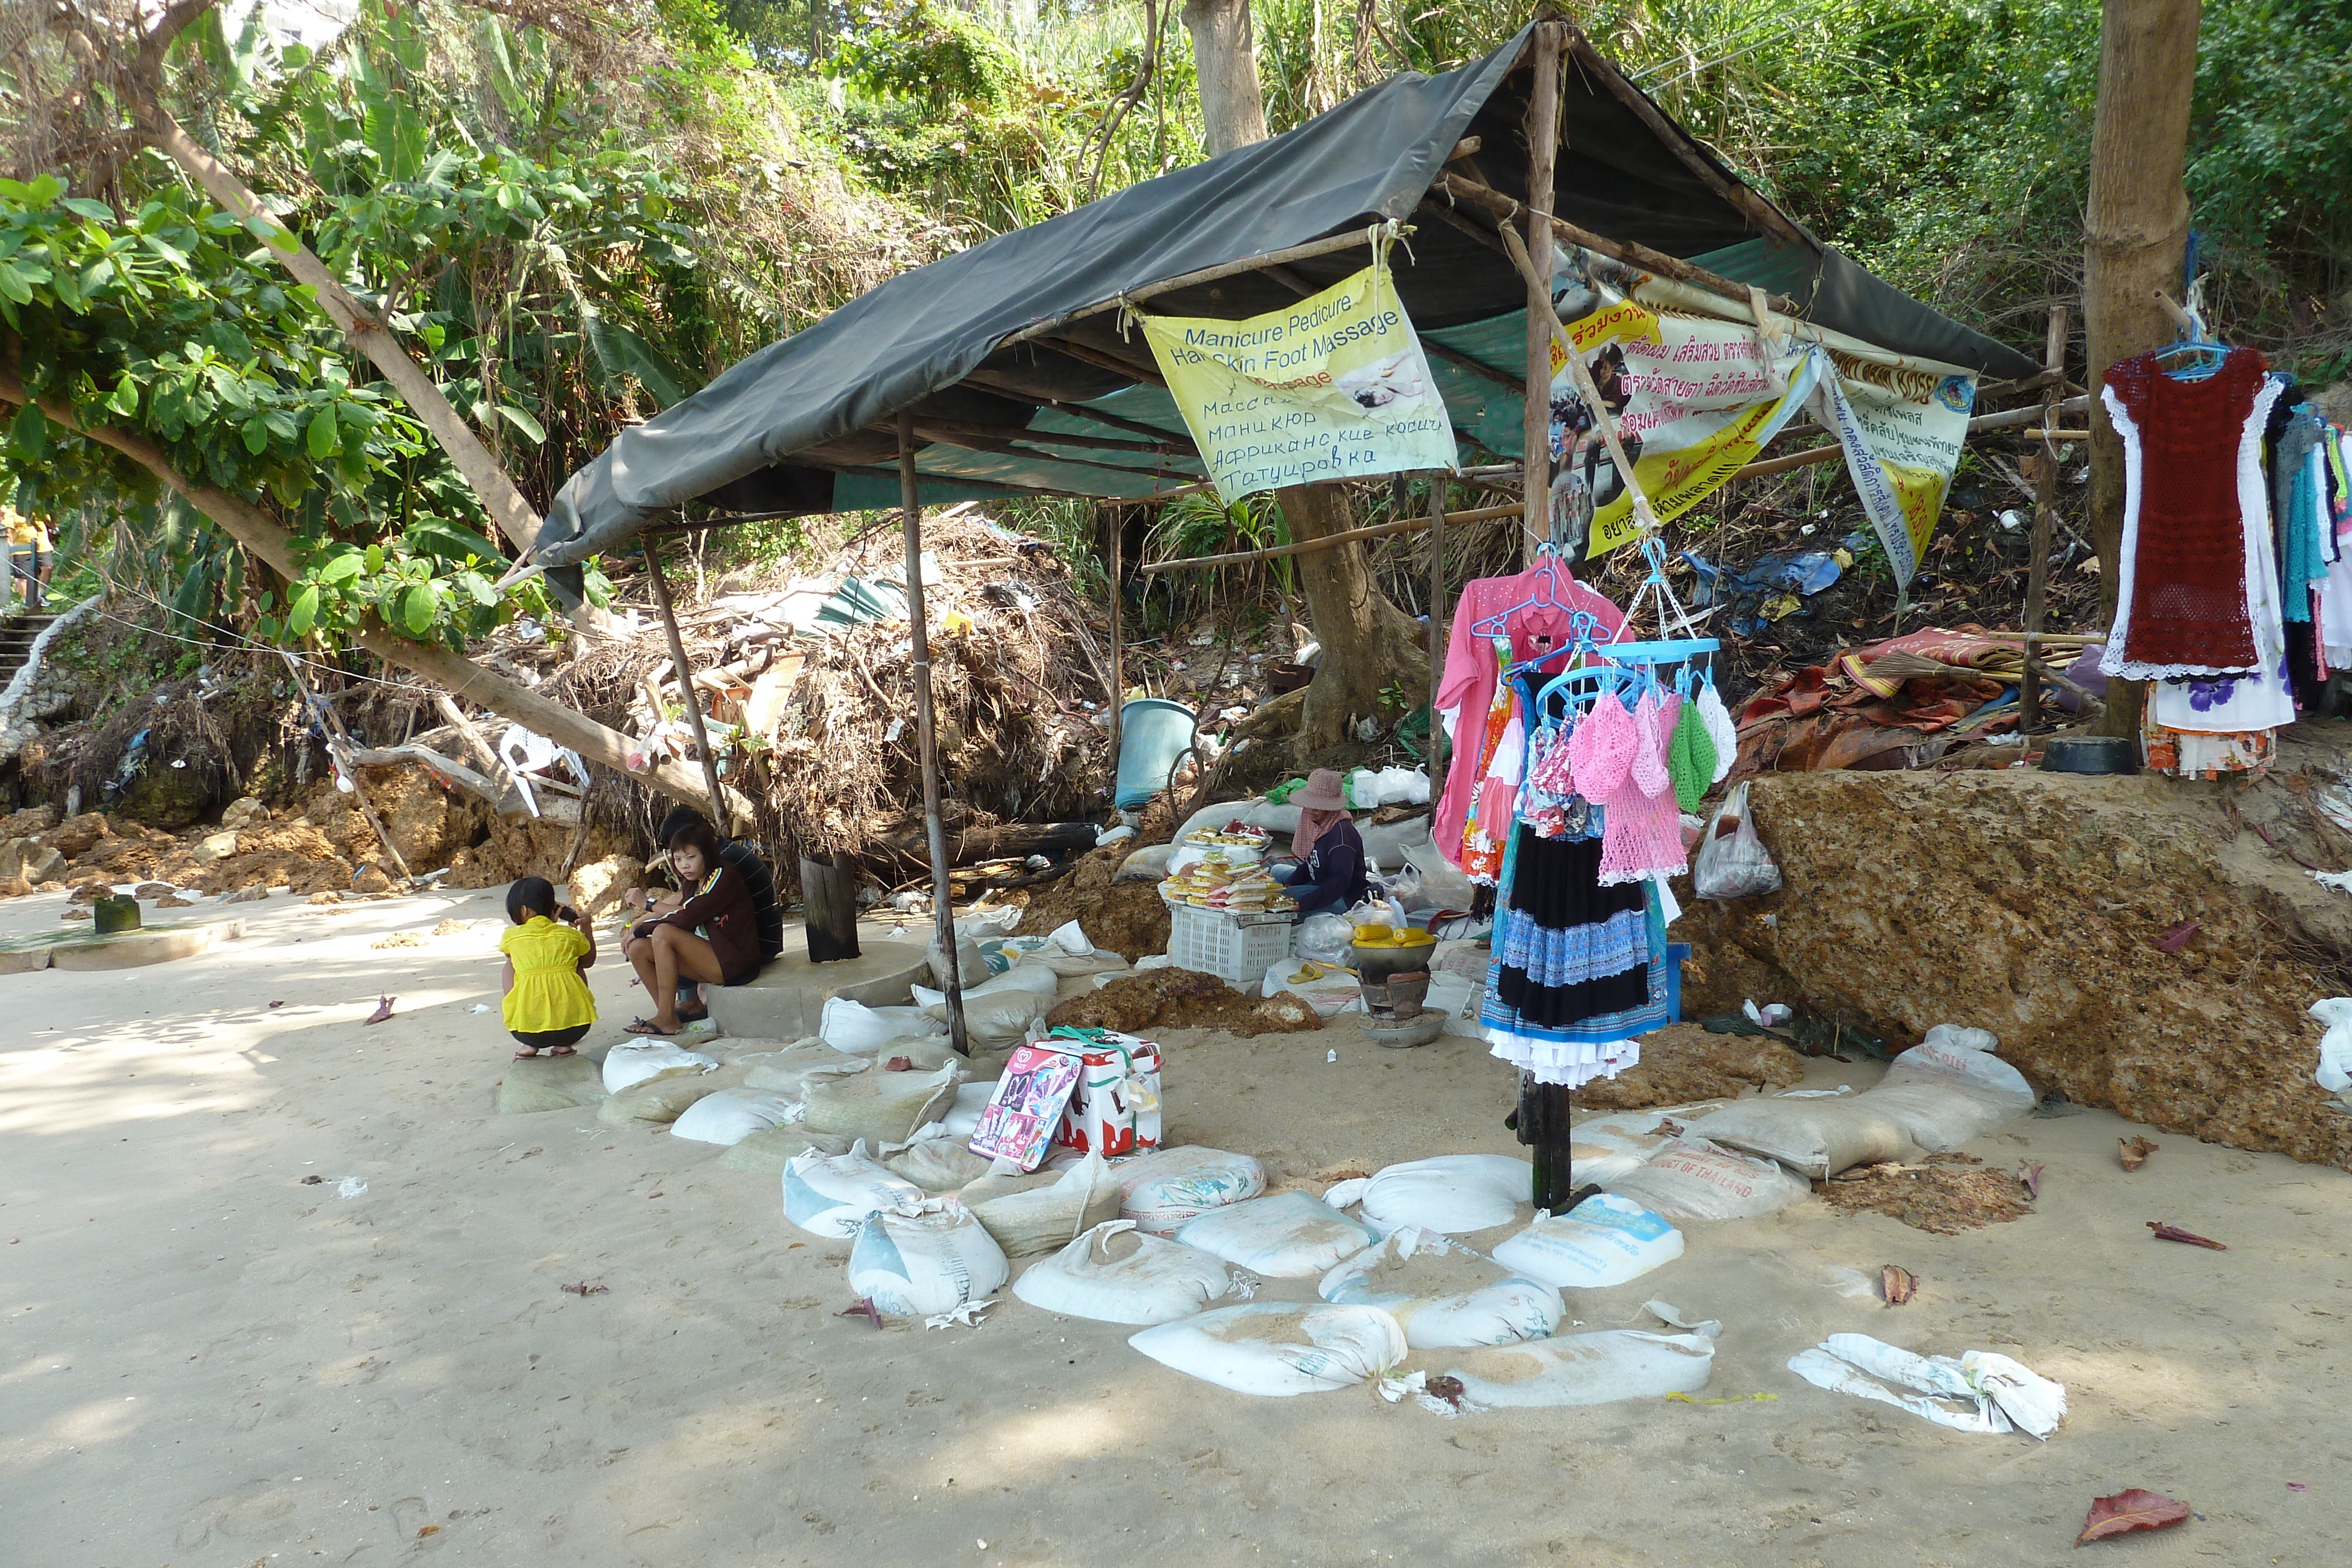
{"x":831,"y":1194}
{"x":2334,"y":1073}
{"x":918,"y":1264}
{"x":728,"y":1116}
{"x":1273,"y":1349}
{"x":1510,"y":1307}
{"x":1115,"y":1274}
{"x":1980,"y":1392}
{"x":1596,"y":1368}
{"x":1732,"y":861}
{"x":626,"y":1066}
{"x":1604,"y":1240}
{"x":1164,"y":1190}
{"x":1691,"y":1178}
{"x":1454,"y":1194}
{"x":1288,"y":1235}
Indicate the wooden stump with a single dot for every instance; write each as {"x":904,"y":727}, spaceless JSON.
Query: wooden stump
{"x":829,"y":908}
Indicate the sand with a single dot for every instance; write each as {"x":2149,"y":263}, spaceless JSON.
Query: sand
{"x":206,"y":1362}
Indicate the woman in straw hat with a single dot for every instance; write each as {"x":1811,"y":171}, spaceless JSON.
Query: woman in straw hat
{"x":1328,"y":874}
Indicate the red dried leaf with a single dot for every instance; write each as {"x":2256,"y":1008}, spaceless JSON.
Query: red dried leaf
{"x":2174,"y":940}
{"x":2129,"y":1511}
{"x":899,"y":1064}
{"x":2029,"y":1177}
{"x":382,"y":1011}
{"x":278,"y":1004}
{"x":862,"y":1308}
{"x":2134,"y":1151}
{"x":2174,"y":1233}
{"x":1897,"y":1284}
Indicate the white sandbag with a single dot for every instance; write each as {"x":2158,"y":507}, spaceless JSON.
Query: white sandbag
{"x":1604,"y":1240}
{"x":1000,"y":1021}
{"x":1163,"y":1190}
{"x":1115,"y":1274}
{"x":918,"y":1264}
{"x":1044,"y":1210}
{"x":881,"y":1107}
{"x":1330,"y":989}
{"x":1590,"y":1368}
{"x":970,"y":1099}
{"x":972,"y":961}
{"x":1441,"y":1293}
{"x":831,"y":1194}
{"x":739,"y":1050}
{"x":1691,"y":1178}
{"x":1992,"y":1393}
{"x":1817,"y":1138}
{"x":661,"y":1101}
{"x":856,"y":1028}
{"x":1289,"y":1236}
{"x":1030,"y":975}
{"x":767,"y":1151}
{"x":728,"y":1116}
{"x":1451,"y":1193}
{"x":1602,"y":1148}
{"x":792,"y":1070}
{"x":1278,"y":1348}
{"x":1951,"y":1089}
{"x":1070,"y":939}
{"x":628,"y":1064}
{"x":934,"y":1160}
{"x":982,"y":924}
{"x":1147,"y":864}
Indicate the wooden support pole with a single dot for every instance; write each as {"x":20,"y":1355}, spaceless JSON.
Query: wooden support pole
{"x":1435,"y":757}
{"x":1117,"y":651}
{"x":721,"y":818}
{"x":1543,"y":155}
{"x":829,"y":906}
{"x":339,"y":744}
{"x":1325,"y":541}
{"x":926,"y":740}
{"x":2045,"y":506}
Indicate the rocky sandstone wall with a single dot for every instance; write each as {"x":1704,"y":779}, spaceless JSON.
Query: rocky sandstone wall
{"x":2041,"y":906}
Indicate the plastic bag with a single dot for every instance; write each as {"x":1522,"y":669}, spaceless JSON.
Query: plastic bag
{"x":1289,"y":1236}
{"x":1278,"y":1348}
{"x":1996,"y":1394}
{"x":1690,"y":1178}
{"x":856,"y":1030}
{"x":918,"y":1264}
{"x":1951,"y":1088}
{"x":1602,"y":1148}
{"x":1434,"y":1317}
{"x":1604,"y":1240}
{"x":1115,"y":1274}
{"x":1324,"y":938}
{"x":626,"y":1066}
{"x":2334,"y":1073}
{"x":1732,"y":861}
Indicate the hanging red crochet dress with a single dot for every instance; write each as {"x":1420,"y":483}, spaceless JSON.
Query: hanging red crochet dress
{"x":2192,"y":468}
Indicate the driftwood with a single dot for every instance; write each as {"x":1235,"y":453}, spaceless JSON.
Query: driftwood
{"x":1001,"y":840}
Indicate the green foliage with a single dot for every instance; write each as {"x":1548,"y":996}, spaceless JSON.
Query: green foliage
{"x":941,"y":58}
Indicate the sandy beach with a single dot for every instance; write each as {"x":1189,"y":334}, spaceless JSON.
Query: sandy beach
{"x":209,"y":1360}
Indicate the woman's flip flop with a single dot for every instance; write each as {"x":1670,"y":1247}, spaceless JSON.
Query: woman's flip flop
{"x":647,"y":1026}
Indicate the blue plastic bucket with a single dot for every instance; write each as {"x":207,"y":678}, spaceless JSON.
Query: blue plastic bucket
{"x":1153,"y":734}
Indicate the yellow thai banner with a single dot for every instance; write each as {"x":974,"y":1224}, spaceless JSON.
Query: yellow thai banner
{"x":1334,"y":387}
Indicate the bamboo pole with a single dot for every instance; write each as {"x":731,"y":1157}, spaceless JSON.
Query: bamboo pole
{"x":499,"y":773}
{"x":1308,"y":546}
{"x":2045,"y":500}
{"x":1543,"y":154}
{"x":1437,"y":477}
{"x":1324,"y":246}
{"x":720,"y":817}
{"x":926,"y":740}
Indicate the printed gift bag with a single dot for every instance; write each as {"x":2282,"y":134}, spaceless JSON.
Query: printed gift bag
{"x":1116,"y":1108}
{"x":1025,"y":1111}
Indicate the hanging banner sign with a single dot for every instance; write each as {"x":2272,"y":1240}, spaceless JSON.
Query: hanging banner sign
{"x":1697,"y":397}
{"x":1334,"y":387}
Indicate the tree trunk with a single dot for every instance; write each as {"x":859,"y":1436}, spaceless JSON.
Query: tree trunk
{"x":829,"y":907}
{"x":264,"y":538}
{"x":1224,"y":57}
{"x":1368,"y":643}
{"x":2135,"y":234}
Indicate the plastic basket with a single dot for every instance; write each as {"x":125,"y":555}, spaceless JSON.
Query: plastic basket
{"x":1236,"y":948}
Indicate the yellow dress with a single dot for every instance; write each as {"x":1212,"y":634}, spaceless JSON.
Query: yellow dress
{"x":549,"y":993}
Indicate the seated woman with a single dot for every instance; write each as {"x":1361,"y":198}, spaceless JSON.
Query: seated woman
{"x":712,"y":936}
{"x":1328,"y":874}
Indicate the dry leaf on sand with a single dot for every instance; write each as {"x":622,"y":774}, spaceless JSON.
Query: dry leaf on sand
{"x":2174,"y":1233}
{"x":383,"y":1010}
{"x":1897,"y":1284}
{"x":2134,"y":1151}
{"x":2130,"y":1510}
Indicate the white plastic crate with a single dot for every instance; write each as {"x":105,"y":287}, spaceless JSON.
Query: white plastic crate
{"x":1236,"y":948}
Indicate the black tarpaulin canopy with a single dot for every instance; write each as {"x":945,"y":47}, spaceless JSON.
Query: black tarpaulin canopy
{"x":1011,"y":397}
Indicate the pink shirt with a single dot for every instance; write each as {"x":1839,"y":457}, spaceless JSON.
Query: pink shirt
{"x":1467,"y":688}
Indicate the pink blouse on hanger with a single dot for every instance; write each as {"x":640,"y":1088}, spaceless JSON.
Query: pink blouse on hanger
{"x":1468,"y":683}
